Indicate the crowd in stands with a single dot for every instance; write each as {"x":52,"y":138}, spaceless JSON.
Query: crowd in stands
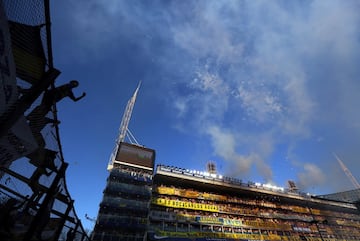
{"x":128,"y":190}
{"x":117,"y":236}
{"x":186,"y":210}
{"x":259,"y":215}
{"x":132,"y":174}
{"x":122,"y":221}
{"x":266,"y":206}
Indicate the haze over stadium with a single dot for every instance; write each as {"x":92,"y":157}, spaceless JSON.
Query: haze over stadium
{"x":266,"y":90}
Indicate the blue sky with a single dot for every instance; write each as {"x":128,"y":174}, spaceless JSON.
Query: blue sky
{"x":266,"y":89}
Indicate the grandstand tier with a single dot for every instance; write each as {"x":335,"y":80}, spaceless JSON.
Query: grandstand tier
{"x":141,"y":202}
{"x":193,"y":206}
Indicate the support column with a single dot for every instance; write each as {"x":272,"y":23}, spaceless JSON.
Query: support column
{"x":61,"y":226}
{"x":49,"y":196}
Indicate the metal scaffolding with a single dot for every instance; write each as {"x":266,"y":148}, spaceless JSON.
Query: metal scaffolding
{"x":34,"y":199}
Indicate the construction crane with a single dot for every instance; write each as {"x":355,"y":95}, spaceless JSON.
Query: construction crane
{"x":348,"y":173}
{"x":124,"y":130}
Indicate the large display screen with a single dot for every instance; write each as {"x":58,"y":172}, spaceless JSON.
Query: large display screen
{"x":135,"y":155}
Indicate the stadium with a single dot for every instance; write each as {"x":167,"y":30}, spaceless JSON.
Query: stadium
{"x":141,"y":202}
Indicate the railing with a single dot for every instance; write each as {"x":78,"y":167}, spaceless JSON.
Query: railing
{"x":32,"y":166}
{"x":248,"y":185}
{"x":131,"y":176}
{"x":127,"y":189}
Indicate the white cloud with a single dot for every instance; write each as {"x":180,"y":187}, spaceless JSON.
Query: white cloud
{"x":310,"y":176}
{"x":259,"y":103}
{"x":181,"y":107}
{"x":207,"y":100}
{"x":207,"y":34}
{"x":240,"y":153}
{"x":224,"y":144}
{"x":268,"y":52}
{"x":274,"y":73}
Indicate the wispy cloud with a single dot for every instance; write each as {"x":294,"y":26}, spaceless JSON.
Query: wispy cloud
{"x":268,"y":77}
{"x":310,"y":176}
{"x":251,"y":77}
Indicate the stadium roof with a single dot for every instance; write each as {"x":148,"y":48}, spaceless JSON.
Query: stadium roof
{"x":351,"y":196}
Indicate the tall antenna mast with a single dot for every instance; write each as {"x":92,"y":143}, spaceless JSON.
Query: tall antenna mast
{"x":123,"y":130}
{"x":347,"y":172}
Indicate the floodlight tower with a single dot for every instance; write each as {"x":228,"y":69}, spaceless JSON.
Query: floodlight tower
{"x":348,"y":173}
{"x":123,"y":130}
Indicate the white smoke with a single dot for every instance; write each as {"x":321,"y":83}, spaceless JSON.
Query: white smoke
{"x":256,"y":77}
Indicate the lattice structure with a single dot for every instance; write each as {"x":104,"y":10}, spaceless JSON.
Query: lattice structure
{"x":348,"y":173}
{"x":124,"y":130}
{"x":34,"y":199}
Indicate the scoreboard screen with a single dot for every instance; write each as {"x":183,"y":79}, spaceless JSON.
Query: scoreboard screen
{"x":135,"y":155}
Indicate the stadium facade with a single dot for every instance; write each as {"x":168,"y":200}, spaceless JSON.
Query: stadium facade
{"x":171,"y":203}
